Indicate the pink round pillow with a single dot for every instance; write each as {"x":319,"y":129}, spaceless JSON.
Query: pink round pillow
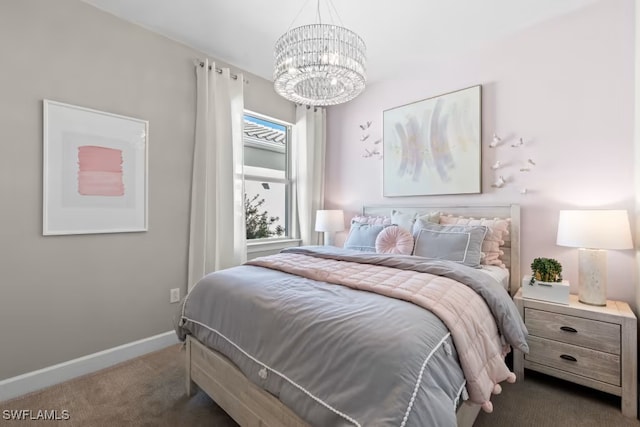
{"x":394,"y":240}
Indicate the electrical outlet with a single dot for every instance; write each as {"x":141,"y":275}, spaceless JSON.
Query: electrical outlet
{"x":174,"y":295}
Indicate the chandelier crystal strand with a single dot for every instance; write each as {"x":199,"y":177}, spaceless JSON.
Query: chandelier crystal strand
{"x":319,"y":65}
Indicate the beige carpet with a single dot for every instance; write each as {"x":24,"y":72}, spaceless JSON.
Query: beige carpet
{"x":542,"y":400}
{"x":149,"y":391}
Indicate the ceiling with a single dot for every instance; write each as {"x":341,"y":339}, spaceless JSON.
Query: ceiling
{"x":402,"y":36}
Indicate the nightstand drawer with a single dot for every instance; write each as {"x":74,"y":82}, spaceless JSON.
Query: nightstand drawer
{"x":593,"y":334}
{"x":588,"y":363}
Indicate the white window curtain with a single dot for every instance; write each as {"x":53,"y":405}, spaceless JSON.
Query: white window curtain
{"x":308,"y":155}
{"x":217,"y":236}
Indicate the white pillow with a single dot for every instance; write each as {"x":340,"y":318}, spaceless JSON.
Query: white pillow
{"x":403,"y":220}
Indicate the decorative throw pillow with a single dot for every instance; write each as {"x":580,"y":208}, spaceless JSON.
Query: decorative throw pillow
{"x":394,"y":240}
{"x":430,"y":217}
{"x":498,"y":229}
{"x":362,"y":237}
{"x":433,"y":218}
{"x":403,"y":220}
{"x":407,"y":220}
{"x":377,"y":220}
{"x":458,"y":243}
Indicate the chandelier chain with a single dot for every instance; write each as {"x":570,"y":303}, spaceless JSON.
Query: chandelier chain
{"x":332,"y":6}
{"x":318,"y":14}
{"x":298,"y":15}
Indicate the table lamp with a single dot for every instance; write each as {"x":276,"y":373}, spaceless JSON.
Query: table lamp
{"x":329,"y":221}
{"x":593,"y":231}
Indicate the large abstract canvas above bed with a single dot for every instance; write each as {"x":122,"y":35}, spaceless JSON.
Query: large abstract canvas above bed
{"x":433,"y":146}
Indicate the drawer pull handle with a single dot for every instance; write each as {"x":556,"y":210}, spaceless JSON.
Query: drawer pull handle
{"x":568,"y":329}
{"x":569,"y":358}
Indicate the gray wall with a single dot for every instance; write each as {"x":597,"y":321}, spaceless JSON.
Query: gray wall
{"x":63,"y":297}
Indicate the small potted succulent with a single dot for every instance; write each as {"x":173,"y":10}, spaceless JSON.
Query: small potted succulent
{"x":546,"y":282}
{"x":546,"y":270}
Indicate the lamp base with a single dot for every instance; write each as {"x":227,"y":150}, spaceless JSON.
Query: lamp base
{"x":592,"y":276}
{"x":329,"y":238}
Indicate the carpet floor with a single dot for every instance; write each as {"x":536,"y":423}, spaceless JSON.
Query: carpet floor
{"x":149,"y":391}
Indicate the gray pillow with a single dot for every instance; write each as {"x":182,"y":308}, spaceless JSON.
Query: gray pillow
{"x":362,"y":237}
{"x":458,"y":243}
{"x":421,"y":221}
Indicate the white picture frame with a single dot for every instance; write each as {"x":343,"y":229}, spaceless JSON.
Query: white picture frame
{"x":95,"y":177}
{"x":433,"y":146}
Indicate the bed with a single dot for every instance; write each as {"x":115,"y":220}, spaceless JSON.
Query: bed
{"x":303,"y":375}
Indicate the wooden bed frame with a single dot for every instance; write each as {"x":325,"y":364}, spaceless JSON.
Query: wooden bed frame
{"x":251,"y":406}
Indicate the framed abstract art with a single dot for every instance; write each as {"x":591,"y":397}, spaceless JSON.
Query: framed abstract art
{"x":433,"y":146}
{"x":94,"y":171}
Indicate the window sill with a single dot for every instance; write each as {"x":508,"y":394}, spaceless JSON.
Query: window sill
{"x":271,"y":245}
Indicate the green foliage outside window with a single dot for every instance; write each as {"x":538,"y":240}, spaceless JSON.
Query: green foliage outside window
{"x":259,"y":223}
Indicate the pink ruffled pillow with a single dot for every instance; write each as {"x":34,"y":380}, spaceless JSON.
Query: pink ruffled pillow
{"x":394,"y":240}
{"x":373,"y":220}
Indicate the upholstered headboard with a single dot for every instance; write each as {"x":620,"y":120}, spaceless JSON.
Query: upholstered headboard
{"x":511,"y":247}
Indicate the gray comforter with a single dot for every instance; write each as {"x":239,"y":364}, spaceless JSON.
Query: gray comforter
{"x":338,"y":356}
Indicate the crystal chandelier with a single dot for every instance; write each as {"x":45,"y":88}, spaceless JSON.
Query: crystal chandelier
{"x":319,"y":64}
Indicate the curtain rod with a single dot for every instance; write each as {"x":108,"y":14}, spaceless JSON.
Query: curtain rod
{"x":219,"y":71}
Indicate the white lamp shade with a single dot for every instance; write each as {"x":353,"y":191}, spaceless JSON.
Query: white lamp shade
{"x":329,"y":220}
{"x":594,"y":229}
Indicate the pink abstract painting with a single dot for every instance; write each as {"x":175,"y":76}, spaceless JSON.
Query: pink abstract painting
{"x":100,"y":171}
{"x":432,"y":146}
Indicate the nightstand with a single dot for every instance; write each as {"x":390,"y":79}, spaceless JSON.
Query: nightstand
{"x":588,"y":345}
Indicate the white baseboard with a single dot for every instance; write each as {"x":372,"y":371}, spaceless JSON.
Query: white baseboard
{"x":36,"y":380}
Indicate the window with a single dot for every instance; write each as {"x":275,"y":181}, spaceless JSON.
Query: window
{"x":267,"y":184}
